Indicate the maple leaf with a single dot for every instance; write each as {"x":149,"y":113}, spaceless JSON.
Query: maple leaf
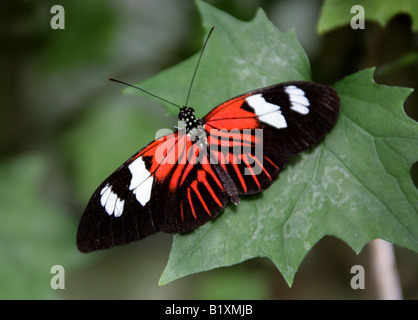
{"x":354,"y":185}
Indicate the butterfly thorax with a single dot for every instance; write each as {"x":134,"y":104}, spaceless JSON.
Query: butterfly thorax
{"x":193,"y":127}
{"x":187,"y":115}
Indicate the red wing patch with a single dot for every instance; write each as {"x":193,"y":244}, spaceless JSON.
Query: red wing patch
{"x":230,"y":116}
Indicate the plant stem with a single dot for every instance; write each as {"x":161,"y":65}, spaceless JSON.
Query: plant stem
{"x":403,"y":62}
{"x":384,"y":271}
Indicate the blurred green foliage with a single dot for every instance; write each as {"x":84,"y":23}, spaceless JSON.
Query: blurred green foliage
{"x":334,"y":12}
{"x":64,"y":127}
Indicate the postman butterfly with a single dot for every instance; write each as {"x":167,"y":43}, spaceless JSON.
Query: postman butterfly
{"x":185,"y":178}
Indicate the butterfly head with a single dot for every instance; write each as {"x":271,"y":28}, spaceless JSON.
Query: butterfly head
{"x":187,"y":115}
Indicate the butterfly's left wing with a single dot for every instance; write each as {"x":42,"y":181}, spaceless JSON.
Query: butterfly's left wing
{"x":167,"y":186}
{"x":254,"y":135}
{"x":120,"y":210}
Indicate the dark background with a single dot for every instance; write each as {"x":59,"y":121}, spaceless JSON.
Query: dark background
{"x":64,"y":127}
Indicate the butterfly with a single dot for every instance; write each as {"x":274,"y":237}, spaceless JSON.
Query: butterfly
{"x":185,"y":178}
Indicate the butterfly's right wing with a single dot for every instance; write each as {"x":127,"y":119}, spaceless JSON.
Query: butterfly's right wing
{"x":254,"y":135}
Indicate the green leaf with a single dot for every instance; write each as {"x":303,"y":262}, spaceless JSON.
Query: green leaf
{"x":336,"y":13}
{"x":354,"y":185}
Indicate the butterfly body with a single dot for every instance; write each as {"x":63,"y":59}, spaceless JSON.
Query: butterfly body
{"x":184,"y":179}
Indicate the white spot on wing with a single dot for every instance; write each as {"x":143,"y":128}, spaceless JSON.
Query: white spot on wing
{"x":105,"y":189}
{"x":139,"y":173}
{"x":119,"y":207}
{"x":299,"y":102}
{"x":105,"y":193}
{"x":111,"y":202}
{"x":141,"y":182}
{"x":267,"y":112}
{"x":143,"y":191}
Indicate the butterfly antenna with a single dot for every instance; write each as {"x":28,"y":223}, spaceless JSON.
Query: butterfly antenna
{"x":197,"y":65}
{"x":147,"y":92}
